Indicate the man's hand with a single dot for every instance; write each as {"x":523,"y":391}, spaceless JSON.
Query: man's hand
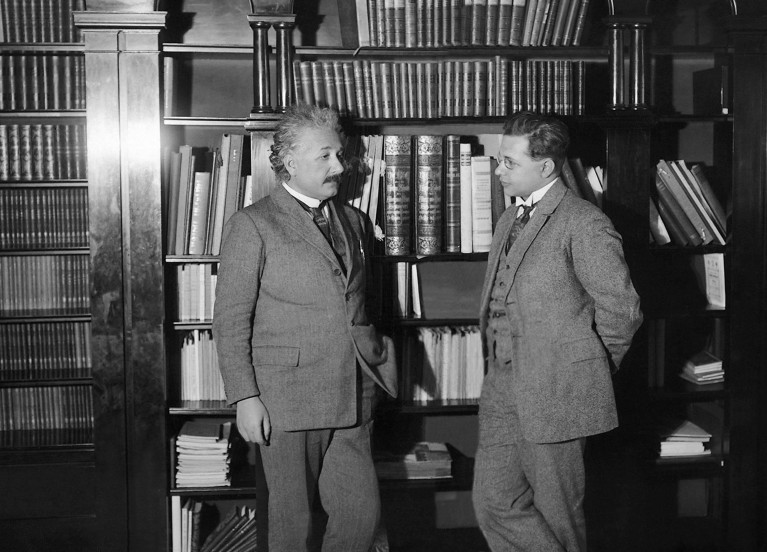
{"x":253,"y":421}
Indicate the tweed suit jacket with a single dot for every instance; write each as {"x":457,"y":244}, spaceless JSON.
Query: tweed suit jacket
{"x":573,"y":312}
{"x":289,"y":325}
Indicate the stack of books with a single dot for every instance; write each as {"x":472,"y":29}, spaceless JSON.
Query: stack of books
{"x":684,"y":439}
{"x":424,"y":460}
{"x":204,"y":454}
{"x":703,"y":368}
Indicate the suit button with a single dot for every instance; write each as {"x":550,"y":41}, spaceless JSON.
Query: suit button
{"x":337,"y":271}
{"x":502,"y":284}
{"x":351,"y":323}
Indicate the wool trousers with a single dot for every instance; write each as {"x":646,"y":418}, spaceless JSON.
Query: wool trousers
{"x":322,"y":486}
{"x":527,"y":496}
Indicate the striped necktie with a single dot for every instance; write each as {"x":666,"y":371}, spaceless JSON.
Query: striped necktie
{"x":517,"y":226}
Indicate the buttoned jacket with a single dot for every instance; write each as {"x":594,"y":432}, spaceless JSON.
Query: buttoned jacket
{"x":572,"y":311}
{"x":290,"y":324}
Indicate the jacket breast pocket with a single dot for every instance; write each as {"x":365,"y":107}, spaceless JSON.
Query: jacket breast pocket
{"x":276,"y":356}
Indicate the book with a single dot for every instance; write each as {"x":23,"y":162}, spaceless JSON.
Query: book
{"x":481,"y":203}
{"x":711,"y":198}
{"x":199,"y":214}
{"x":668,"y":206}
{"x":714,"y":279}
{"x":233,"y":166}
{"x":452,"y":194}
{"x":702,"y":362}
{"x":466,"y":192}
{"x":517,"y":23}
{"x":184,"y":199}
{"x":429,"y":157}
{"x":397,"y":194}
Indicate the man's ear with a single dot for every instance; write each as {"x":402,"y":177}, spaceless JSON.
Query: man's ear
{"x":290,"y":164}
{"x":548,"y":168}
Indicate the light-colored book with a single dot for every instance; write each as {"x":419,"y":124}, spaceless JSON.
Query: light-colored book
{"x":466,"y":193}
{"x":481,"y":203}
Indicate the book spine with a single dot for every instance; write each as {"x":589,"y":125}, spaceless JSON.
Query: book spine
{"x":359,"y":89}
{"x":350,"y":89}
{"x":481,"y":198}
{"x":429,"y":159}
{"x":452,"y":194}
{"x":372,"y":22}
{"x":411,"y":23}
{"x":580,"y":23}
{"x":478,"y":22}
{"x":504,"y":23}
{"x":397,"y":192}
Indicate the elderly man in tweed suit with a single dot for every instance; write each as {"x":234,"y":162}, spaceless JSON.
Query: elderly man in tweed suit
{"x":557,"y":315}
{"x":296,"y":349}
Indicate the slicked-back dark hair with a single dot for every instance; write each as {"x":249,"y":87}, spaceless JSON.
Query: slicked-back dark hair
{"x":548,"y":136}
{"x":298,"y":119}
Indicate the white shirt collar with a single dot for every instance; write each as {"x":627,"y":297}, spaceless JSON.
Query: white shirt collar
{"x":310,"y":201}
{"x":536,"y":196}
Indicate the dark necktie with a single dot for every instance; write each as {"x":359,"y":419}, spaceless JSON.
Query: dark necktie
{"x":518,"y":224}
{"x":322,"y":222}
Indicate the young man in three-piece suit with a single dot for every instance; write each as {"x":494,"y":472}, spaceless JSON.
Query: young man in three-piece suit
{"x":558,"y":313}
{"x":297,"y":352}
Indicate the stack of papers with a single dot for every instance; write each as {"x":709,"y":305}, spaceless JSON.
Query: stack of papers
{"x":703,"y":368}
{"x":684,"y":439}
{"x":422,"y":461}
{"x":204,"y":458}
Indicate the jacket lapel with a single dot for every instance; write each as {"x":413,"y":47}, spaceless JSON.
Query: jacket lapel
{"x":543,"y":211}
{"x":297,"y":218}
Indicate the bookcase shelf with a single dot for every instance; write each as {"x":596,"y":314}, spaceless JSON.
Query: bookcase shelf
{"x":36,"y":184}
{"x":434,"y":407}
{"x":61,"y":47}
{"x":10,"y":116}
{"x":440,"y":257}
{"x":45,"y":382}
{"x":201,"y":325}
{"x":201,"y":408}
{"x":35,"y":319}
{"x":687,"y":392}
{"x":33,"y":252}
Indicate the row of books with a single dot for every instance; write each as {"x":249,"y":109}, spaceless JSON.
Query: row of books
{"x":46,"y":415}
{"x":43,"y":218}
{"x":203,"y":454}
{"x":437,"y":196}
{"x":236,"y":532}
{"x":44,"y":285}
{"x":204,"y":188}
{"x":421,"y":460}
{"x":196,"y":292}
{"x":48,"y":21}
{"x":440,"y":23}
{"x":441,"y":363}
{"x":688,"y":211}
{"x":42,"y":152}
{"x":449,"y":88}
{"x":199,"y":374}
{"x":46,"y":350}
{"x":42,"y":82}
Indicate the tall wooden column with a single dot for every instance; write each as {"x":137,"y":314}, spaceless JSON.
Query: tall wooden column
{"x":122,"y":58}
{"x":746,"y":375}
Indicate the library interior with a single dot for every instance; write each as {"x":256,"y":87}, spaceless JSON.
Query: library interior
{"x":132,"y":130}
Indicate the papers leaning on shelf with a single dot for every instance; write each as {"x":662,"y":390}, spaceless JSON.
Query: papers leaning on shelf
{"x":204,"y":458}
{"x":703,"y":368}
{"x":684,"y":439}
{"x":422,"y":461}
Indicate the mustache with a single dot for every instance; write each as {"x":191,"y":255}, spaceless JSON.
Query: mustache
{"x":335,"y":178}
